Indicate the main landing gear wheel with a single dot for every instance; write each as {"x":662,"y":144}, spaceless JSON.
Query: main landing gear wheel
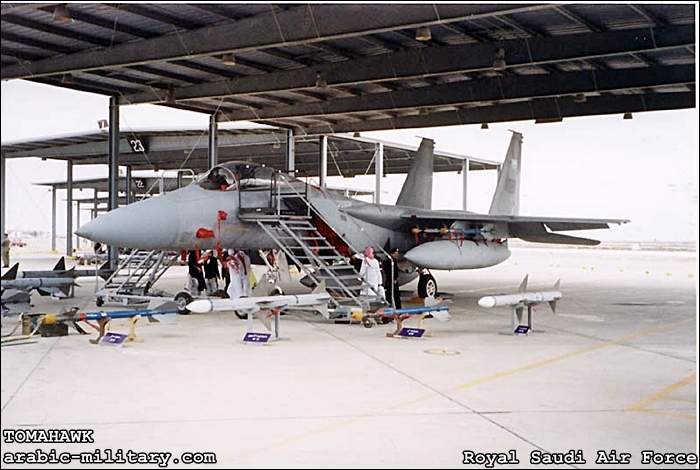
{"x":182,"y":299}
{"x":427,"y":286}
{"x":242,"y":316}
{"x":99,"y":301}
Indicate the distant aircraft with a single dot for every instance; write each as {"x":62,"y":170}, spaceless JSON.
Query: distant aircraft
{"x":17,"y":290}
{"x":255,"y":203}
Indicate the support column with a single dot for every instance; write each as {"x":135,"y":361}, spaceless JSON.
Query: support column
{"x":113,"y":178}
{"x":69,"y":208}
{"x":465,"y":173}
{"x":378,"y":171}
{"x":77,"y":224}
{"x":129,"y":195}
{"x":323,"y":163}
{"x":53,"y":218}
{"x":2,"y":194}
{"x":213,"y":142}
{"x":290,"y":152}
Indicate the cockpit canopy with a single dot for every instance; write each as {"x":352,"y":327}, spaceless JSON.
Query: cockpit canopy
{"x":237,"y":175}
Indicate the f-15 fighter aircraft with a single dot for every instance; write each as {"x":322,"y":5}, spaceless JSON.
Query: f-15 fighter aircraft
{"x":240,"y":205}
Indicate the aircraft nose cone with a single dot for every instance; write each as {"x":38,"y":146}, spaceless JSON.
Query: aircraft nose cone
{"x":150,"y":225}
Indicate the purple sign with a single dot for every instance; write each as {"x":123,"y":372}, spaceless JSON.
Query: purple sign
{"x":521,"y":330}
{"x":113,"y":338}
{"x":256,"y":337}
{"x":412,"y":332}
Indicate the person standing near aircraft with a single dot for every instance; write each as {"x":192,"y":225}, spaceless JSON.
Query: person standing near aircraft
{"x":225,"y":275}
{"x":235,"y":270}
{"x":195,"y":272}
{"x":244,"y":261}
{"x":211,"y":273}
{"x":6,"y":251}
{"x":391,"y":278}
{"x":371,"y":273}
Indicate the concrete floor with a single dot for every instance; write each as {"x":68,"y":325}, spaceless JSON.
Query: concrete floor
{"x":614,"y":371}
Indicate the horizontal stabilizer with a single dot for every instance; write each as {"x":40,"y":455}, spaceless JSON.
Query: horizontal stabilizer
{"x":558,"y":238}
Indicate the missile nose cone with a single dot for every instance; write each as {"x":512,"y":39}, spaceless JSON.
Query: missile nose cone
{"x":200,"y":306}
{"x":487,"y":302}
{"x":149,"y":224}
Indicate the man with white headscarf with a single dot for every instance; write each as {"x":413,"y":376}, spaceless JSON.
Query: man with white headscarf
{"x":235,"y":269}
{"x":371,"y":273}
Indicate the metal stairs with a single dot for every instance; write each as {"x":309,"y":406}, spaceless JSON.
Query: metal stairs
{"x":131,"y":282}
{"x":288,"y":222}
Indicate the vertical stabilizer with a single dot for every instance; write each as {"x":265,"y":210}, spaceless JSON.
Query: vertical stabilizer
{"x":506,"y":199}
{"x":417,"y":190}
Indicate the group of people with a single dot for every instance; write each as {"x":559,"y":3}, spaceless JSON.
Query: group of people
{"x":204,"y":273}
{"x":381,"y":280}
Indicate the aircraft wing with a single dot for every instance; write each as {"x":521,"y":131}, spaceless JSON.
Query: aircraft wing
{"x":532,"y":229}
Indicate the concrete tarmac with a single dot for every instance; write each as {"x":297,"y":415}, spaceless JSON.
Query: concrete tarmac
{"x":611,"y":377}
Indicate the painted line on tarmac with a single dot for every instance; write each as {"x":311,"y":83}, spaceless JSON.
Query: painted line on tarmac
{"x":570,"y":354}
{"x":661,"y":395}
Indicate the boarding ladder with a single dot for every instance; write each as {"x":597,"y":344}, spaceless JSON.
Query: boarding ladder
{"x":288,"y":222}
{"x":131,"y":282}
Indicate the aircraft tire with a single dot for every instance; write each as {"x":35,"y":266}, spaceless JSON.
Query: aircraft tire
{"x":427,"y":286}
{"x":242,"y":316}
{"x":182,"y":299}
{"x":366,"y":322}
{"x":99,"y":301}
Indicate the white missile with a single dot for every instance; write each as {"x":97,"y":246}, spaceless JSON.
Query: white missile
{"x":457,"y":254}
{"x":257,"y":303}
{"x":522,"y":298}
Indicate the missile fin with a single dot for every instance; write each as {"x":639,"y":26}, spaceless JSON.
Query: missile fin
{"x":556,"y":284}
{"x":523,"y":285}
{"x":323,"y":310}
{"x":519,"y":313}
{"x":553,"y":305}
{"x":264,"y":318}
{"x":11,"y":274}
{"x":60,"y":265}
{"x":320,"y":287}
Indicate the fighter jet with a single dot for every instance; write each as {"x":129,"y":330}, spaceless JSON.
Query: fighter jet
{"x":244,"y":206}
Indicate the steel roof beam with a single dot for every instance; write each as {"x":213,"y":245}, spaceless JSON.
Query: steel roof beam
{"x":276,"y":29}
{"x":482,"y":91}
{"x":425,"y":62}
{"x":522,"y":111}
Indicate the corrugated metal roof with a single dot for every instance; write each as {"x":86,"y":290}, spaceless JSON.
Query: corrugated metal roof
{"x":375,"y":70}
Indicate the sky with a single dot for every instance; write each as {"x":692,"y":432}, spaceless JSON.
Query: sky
{"x":644,"y":169}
